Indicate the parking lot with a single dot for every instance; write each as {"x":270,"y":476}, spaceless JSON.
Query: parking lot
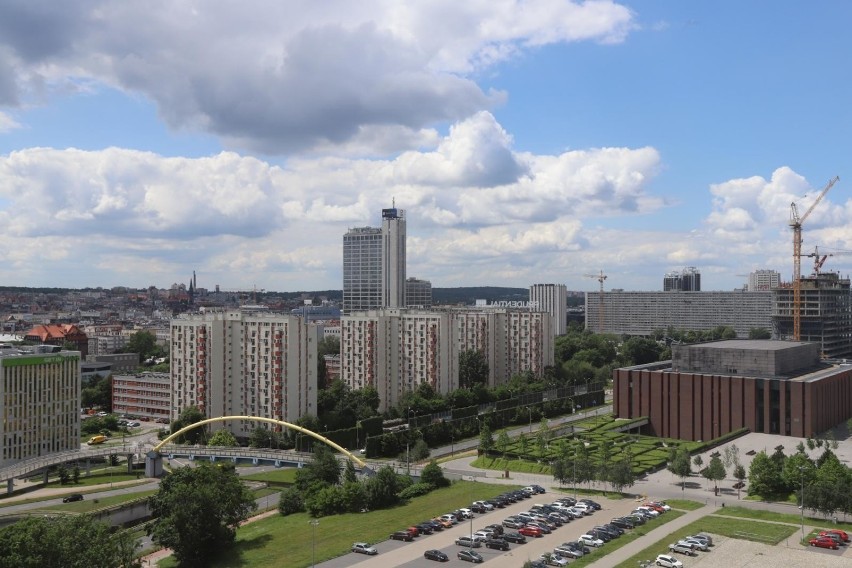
{"x":410,"y":554}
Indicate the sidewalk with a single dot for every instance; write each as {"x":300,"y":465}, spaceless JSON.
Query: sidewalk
{"x":641,"y":543}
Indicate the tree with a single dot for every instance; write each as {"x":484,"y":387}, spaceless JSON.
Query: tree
{"x":197,"y":511}
{"x":759,"y":333}
{"x":382,"y":489}
{"x":190,"y":415}
{"x":680,"y":466}
{"x":739,"y":475}
{"x":222,"y":438}
{"x":290,"y":501}
{"x":764,"y":476}
{"x":486,"y":440}
{"x":98,"y":394}
{"x":60,"y":541}
{"x":605,"y":453}
{"x":434,"y":475}
{"x":699,"y":464}
{"x":503,"y":442}
{"x":621,"y":472}
{"x":640,"y":350}
{"x":323,"y":469}
{"x":473,"y":368}
{"x":523,"y":443}
{"x":716,"y":471}
{"x":144,"y":343}
{"x":349,"y":474}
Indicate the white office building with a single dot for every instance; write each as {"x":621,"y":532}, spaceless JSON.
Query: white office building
{"x":374,"y":263}
{"x":39,"y":404}
{"x":553,"y":299}
{"x":244,"y":363}
{"x":763,"y":280}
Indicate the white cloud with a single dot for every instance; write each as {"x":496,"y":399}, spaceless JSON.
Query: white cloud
{"x":7,"y":123}
{"x":370,"y":77}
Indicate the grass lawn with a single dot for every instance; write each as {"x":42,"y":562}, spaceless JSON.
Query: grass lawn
{"x":89,"y":505}
{"x":281,"y":476}
{"x":278,"y":541}
{"x":743,"y":529}
{"x":70,"y":488}
{"x":570,"y":491}
{"x":518,"y":466}
{"x":684,"y":504}
{"x":791,"y":518}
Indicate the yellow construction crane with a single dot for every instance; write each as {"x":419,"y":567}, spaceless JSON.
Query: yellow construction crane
{"x":600,"y":278}
{"x":796,"y":224}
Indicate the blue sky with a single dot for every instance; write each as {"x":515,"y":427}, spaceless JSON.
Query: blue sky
{"x":527,"y":141}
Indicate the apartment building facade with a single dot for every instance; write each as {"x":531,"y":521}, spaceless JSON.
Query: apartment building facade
{"x":147,"y":395}
{"x":553,"y":299}
{"x":396,"y":350}
{"x":40,"y":400}
{"x":244,"y":363}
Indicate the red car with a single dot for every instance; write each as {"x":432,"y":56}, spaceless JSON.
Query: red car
{"x":656,"y":507}
{"x":823,"y":542}
{"x":530,"y":531}
{"x":842,"y":534}
{"x":413,"y":531}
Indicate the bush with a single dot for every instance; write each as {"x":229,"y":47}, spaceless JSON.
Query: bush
{"x":433,"y":475}
{"x":290,"y":502}
{"x":416,"y":490}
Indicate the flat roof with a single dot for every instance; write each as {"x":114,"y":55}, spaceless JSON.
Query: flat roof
{"x":751,"y":344}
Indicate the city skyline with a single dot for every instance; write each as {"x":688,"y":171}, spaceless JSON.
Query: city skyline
{"x":526,"y":141}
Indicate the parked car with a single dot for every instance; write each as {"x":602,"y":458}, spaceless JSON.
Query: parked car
{"x":667,"y":561}
{"x":844,"y":536}
{"x":446,"y":523}
{"x":450,"y":518}
{"x":568,"y":551}
{"x":401,"y":535}
{"x":528,"y":530}
{"x":436,"y":555}
{"x":593,"y":504}
{"x":513,"y":537}
{"x":662,"y":504}
{"x":624,"y":522}
{"x":682,"y":549}
{"x":478,"y":509}
{"x":699,"y":544}
{"x":540,"y":526}
{"x":551,"y":559}
{"x":823,"y":542}
{"x":600,"y":535}
{"x":470,"y":556}
{"x":589,"y":540}
{"x":413,"y":531}
{"x":73,"y":497}
{"x":485,"y":504}
{"x":497,"y":528}
{"x":709,"y":538}
{"x":538,"y":489}
{"x":613,"y":528}
{"x":835,"y":537}
{"x":513,"y":523}
{"x":364,"y":548}
{"x":702,"y":537}
{"x":468,"y":541}
{"x":690,"y":545}
{"x":638,"y":519}
{"x":466,"y":513}
{"x":483,"y":534}
{"x":425,"y":528}
{"x":496,"y":544}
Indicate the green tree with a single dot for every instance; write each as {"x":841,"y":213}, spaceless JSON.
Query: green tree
{"x":679,"y":465}
{"x":144,"y":343}
{"x":523,"y":444}
{"x":434,"y":475}
{"x":473,"y":368}
{"x":764,"y":476}
{"x":349,"y":474}
{"x":197,"y":511}
{"x":605,"y":466}
{"x":98,"y":394}
{"x":621,"y":473}
{"x":61,"y":541}
{"x":486,"y":440}
{"x":222,"y":438}
{"x":322,"y":469}
{"x":190,"y":415}
{"x":640,"y":350}
{"x":739,"y":475}
{"x":795,"y":467}
{"x":383,"y":488}
{"x":290,"y":501}
{"x":716,"y":471}
{"x":759,"y":333}
{"x":503,"y":442}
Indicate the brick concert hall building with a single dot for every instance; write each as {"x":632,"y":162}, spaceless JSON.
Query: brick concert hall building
{"x":709,"y":389}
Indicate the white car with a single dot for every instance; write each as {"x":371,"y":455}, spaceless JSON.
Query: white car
{"x":450,"y":518}
{"x":662,"y":505}
{"x":553,"y":559}
{"x":648,"y":510}
{"x":483,"y":534}
{"x":589,"y":540}
{"x":466,"y":513}
{"x":364,"y":548}
{"x":667,"y":561}
{"x":484,"y":505}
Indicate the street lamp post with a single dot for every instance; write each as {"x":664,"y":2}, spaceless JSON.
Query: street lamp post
{"x":575,"y":474}
{"x":314,"y":523}
{"x":529,"y":408}
{"x":802,"y":499}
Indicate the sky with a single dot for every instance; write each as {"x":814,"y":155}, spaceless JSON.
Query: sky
{"x":527,"y":141}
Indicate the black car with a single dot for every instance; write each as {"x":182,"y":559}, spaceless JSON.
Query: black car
{"x":538,"y":488}
{"x":623,"y":523}
{"x":478,"y":508}
{"x":577,"y":546}
{"x":401,"y":535}
{"x":498,"y":503}
{"x":496,"y":544}
{"x":610,"y":533}
{"x":496,"y":528}
{"x":436,"y":526}
{"x":614,"y":529}
{"x":470,"y":556}
{"x":425,"y":528}
{"x":516,"y":538}
{"x":593,"y":504}
{"x":73,"y":497}
{"x":603,"y":535}
{"x":436,"y":555}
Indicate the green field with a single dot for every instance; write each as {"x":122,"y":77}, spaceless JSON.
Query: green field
{"x":278,"y":541}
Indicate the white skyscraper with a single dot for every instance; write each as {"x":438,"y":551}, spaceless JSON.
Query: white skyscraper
{"x":374,"y":265}
{"x":763,"y":280}
{"x":553,"y":299}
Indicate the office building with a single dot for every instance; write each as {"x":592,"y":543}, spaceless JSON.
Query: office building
{"x":643,"y":313}
{"x":418,"y":293}
{"x":710,"y":389}
{"x":825,"y":311}
{"x":688,"y":280}
{"x":244,"y":362}
{"x":553,"y":299}
{"x":39,"y":404}
{"x":763,"y":280}
{"x":145,"y":395}
{"x":374,"y":262}
{"x":397,"y":350}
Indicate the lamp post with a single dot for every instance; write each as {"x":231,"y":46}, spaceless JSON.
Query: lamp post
{"x":473,"y":480}
{"x":802,"y":499}
{"x":575,"y":474}
{"x":529,"y":408}
{"x":313,"y":523}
